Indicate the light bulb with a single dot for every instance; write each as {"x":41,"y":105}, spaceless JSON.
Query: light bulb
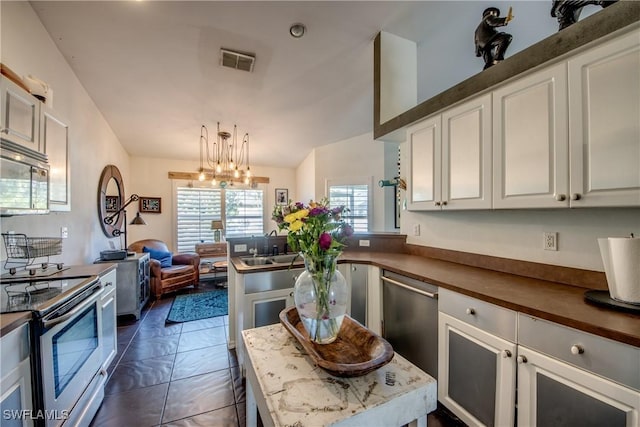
{"x":214,"y":181}
{"x":248,"y":173}
{"x":218,"y":168}
{"x":201,"y":176}
{"x":236,"y":173}
{"x":246,"y":180}
{"x":231,"y":164}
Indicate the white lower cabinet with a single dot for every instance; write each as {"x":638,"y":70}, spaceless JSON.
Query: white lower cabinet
{"x":565,"y":377}
{"x":476,"y":367}
{"x":264,"y":308}
{"x":15,"y":379}
{"x":109,"y":321}
{"x":571,"y":378}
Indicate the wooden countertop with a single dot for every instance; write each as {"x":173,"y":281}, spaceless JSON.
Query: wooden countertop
{"x":559,"y":303}
{"x":10,"y":321}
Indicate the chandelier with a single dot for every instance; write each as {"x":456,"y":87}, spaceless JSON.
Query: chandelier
{"x":225,"y":160}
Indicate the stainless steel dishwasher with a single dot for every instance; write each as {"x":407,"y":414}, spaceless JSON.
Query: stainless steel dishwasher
{"x":410,"y":319}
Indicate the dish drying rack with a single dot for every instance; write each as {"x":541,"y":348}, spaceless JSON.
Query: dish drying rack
{"x":22,"y":251}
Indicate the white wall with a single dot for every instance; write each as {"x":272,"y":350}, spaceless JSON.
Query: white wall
{"x":27,"y":48}
{"x":357,"y":157}
{"x":149,"y":178}
{"x":306,"y":178}
{"x":446,"y":54}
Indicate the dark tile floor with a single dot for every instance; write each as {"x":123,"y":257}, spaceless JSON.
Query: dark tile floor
{"x":179,"y":375}
{"x":173,"y":375}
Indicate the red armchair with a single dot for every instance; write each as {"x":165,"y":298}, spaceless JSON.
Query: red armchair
{"x":183,"y":271}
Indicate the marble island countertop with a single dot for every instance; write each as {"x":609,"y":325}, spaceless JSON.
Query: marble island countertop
{"x":294,"y":392}
{"x":556,"y":302}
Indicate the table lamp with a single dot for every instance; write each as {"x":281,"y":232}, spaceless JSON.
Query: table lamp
{"x":216,"y":226}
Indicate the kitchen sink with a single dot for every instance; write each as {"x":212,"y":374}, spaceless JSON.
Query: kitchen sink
{"x":285,"y":258}
{"x":256,"y":260}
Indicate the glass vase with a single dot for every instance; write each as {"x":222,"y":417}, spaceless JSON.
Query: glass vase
{"x":321,"y":294}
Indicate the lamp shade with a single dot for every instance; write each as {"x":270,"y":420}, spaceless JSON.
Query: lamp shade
{"x":138,"y":220}
{"x":217,"y":225}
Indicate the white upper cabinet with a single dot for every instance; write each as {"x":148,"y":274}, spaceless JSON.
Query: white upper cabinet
{"x":450,"y":158}
{"x":530,"y":154}
{"x":55,"y":141}
{"x":425,"y":144}
{"x":20,"y":116}
{"x":604,"y":124}
{"x":466,"y":155}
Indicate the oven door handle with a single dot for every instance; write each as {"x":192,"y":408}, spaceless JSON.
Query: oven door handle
{"x":87,"y":302}
{"x":433,"y":295}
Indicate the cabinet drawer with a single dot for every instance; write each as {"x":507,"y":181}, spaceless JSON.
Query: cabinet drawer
{"x":483,"y":315}
{"x":611,"y":359}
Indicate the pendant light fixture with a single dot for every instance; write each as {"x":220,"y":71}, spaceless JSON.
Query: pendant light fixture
{"x":225,"y":160}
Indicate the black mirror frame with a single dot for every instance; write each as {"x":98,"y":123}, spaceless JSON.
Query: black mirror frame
{"x":109,"y":172}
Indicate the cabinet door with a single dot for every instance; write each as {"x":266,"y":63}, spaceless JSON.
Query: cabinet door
{"x":466,"y":155}
{"x":551,"y":392}
{"x":55,"y":140}
{"x":604,"y":109}
{"x":476,"y":373}
{"x":424,"y":187}
{"x":20,"y":116}
{"x":15,"y":379}
{"x":530,"y":143}
{"x":357,"y":277}
{"x":109,"y":323}
{"x":264,"y":308}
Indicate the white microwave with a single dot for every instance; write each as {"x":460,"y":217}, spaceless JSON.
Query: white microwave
{"x":24,"y":181}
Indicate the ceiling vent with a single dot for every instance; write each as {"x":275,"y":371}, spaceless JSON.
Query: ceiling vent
{"x":237,"y":60}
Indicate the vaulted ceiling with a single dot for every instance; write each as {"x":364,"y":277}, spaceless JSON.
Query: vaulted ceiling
{"x":153,"y":69}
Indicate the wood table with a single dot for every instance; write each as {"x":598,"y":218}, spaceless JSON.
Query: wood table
{"x":289,"y":390}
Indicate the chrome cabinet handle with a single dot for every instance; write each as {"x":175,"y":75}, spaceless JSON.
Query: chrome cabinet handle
{"x":470,"y":311}
{"x":506,"y":354}
{"x":49,"y":323}
{"x":577,"y":349}
{"x":561,"y":197}
{"x":521,"y":359}
{"x":433,"y":295}
{"x":576,"y":196}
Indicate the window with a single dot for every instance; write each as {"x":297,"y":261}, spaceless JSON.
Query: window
{"x":244,"y":213}
{"x":240,"y":210}
{"x":356,"y":198}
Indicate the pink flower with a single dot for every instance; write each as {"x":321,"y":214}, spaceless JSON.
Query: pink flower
{"x":325,"y":241}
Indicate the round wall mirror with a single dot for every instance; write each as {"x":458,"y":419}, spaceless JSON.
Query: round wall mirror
{"x":110,"y":194}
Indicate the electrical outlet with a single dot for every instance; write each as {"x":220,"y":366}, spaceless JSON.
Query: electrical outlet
{"x":550,"y":241}
{"x":363,"y":242}
{"x":240,"y":248}
{"x":64,"y":232}
{"x":416,"y":229}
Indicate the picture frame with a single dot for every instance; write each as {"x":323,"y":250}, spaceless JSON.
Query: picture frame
{"x":112,"y":203}
{"x":150,"y":205}
{"x":282,"y":196}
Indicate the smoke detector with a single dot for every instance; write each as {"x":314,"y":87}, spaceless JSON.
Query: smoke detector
{"x":297,"y":30}
{"x":237,"y":60}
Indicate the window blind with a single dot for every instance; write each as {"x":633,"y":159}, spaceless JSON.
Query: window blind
{"x":244,"y":213}
{"x":240,"y":210}
{"x":356,"y":199}
{"x":196,"y":208}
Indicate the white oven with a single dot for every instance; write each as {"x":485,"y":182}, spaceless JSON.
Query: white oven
{"x":71,"y":375}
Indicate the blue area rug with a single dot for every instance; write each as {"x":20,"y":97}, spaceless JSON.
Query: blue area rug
{"x":188,"y":307}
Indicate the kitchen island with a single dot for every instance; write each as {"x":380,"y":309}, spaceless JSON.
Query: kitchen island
{"x":288,"y":389}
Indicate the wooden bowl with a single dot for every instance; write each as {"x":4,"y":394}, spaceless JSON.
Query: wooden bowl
{"x":357,"y":350}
